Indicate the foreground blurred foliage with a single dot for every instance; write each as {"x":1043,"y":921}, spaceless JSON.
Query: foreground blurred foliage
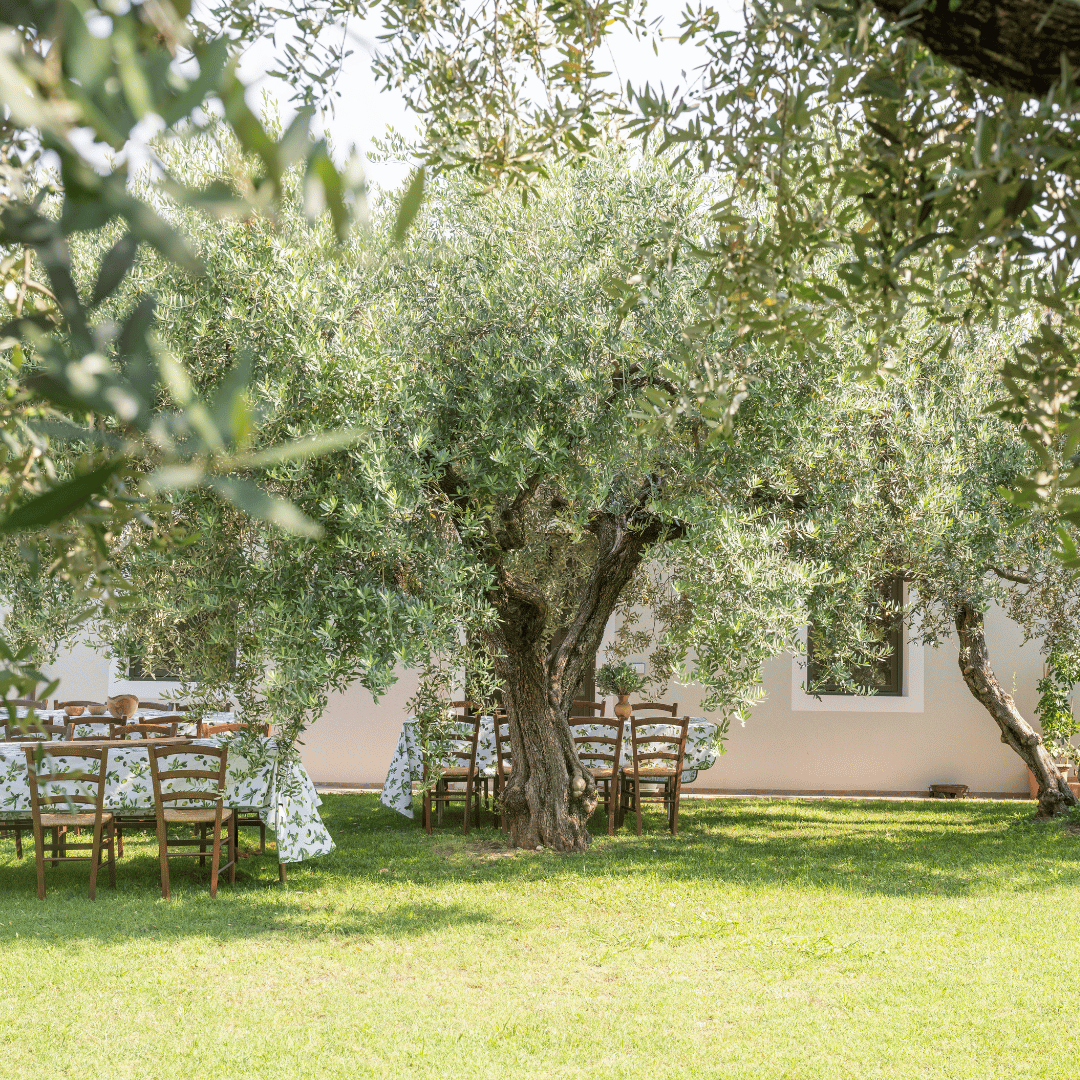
{"x":83,"y":85}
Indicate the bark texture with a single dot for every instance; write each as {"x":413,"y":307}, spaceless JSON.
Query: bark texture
{"x":1054,"y":793}
{"x":550,"y":796}
{"x":1014,"y":44}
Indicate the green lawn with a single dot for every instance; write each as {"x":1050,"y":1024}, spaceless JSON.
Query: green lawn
{"x":770,"y":939}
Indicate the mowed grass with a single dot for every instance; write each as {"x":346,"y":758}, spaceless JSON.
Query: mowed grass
{"x":770,"y":939}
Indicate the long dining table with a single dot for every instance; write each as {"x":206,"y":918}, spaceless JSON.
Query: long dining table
{"x":257,"y":781}
{"x":407,"y":764}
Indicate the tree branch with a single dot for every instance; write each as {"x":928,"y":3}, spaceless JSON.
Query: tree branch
{"x":1016,"y":44}
{"x":1009,"y":575}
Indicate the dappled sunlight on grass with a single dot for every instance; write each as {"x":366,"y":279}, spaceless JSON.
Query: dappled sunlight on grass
{"x":770,"y":938}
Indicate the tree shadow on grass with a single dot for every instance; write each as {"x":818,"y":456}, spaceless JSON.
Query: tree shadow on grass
{"x":875,"y":848}
{"x":388,"y":879}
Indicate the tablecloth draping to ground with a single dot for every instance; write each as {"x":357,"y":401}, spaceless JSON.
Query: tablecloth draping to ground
{"x":407,"y":765}
{"x":287,"y":805}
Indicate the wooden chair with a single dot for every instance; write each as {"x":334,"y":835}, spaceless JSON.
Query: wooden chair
{"x":58,"y":704}
{"x":504,"y":763}
{"x":462,"y":750}
{"x":164,"y":706}
{"x":600,"y":753}
{"x":213,"y":817}
{"x":655,"y":707}
{"x":162,"y":726}
{"x":205,"y":729}
{"x":589,"y":708}
{"x":240,"y":820}
{"x":657,"y":763}
{"x":27,"y":703}
{"x":85,"y":721}
{"x":29,"y":731}
{"x":63,"y":787}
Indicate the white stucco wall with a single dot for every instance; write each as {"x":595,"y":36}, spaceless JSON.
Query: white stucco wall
{"x":949,"y":738}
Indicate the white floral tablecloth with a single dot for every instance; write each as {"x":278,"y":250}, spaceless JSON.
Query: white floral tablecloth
{"x":407,"y":765}
{"x":287,"y":804}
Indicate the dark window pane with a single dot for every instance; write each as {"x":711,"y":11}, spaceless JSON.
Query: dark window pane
{"x":886,"y":676}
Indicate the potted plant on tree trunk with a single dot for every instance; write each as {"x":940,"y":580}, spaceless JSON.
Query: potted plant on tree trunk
{"x":622,"y":680}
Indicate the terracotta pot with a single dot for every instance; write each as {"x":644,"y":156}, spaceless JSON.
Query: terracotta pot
{"x":122,"y":706}
{"x":623,"y":709}
{"x":1033,"y":784}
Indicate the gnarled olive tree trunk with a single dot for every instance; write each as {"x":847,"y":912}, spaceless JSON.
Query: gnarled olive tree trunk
{"x":1054,"y":793}
{"x":550,"y":796}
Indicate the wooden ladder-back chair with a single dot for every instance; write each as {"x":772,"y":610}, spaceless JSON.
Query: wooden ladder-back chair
{"x":504,"y":761}
{"x":163,"y":706}
{"x":215,"y":817}
{"x":588,"y":708}
{"x":657,"y":761}
{"x":58,"y":704}
{"x":27,"y":703}
{"x":88,"y":721}
{"x":463,"y":751}
{"x":56,"y":793}
{"x":162,"y":726}
{"x":206,"y":730}
{"x":599,"y":752}
{"x":655,"y":707}
{"x":30,"y":730}
{"x":241,"y":820}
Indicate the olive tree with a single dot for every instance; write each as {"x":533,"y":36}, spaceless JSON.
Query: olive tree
{"x":499,"y":486}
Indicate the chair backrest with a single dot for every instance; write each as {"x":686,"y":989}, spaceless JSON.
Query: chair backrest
{"x":93,"y":736}
{"x":657,"y":742}
{"x":206,"y":729}
{"x":31,"y":730}
{"x":504,"y":755}
{"x":161,"y":725}
{"x":460,"y":748}
{"x":26,"y":703}
{"x":57,"y":788}
{"x":599,"y":745}
{"x":58,"y":704}
{"x":589,"y":708}
{"x":655,"y":707}
{"x":164,"y":706}
{"x":212,"y":787}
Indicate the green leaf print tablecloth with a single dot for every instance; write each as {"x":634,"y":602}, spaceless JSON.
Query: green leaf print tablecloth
{"x":287,"y":803}
{"x":407,"y":764}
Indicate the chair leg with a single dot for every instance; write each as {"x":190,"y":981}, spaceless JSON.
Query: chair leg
{"x":468,"y":803}
{"x":637,"y":802}
{"x":202,"y":846}
{"x":39,"y":856}
{"x":18,"y":842}
{"x":215,"y":861}
{"x":232,"y":856}
{"x":611,"y":790}
{"x":95,"y":858}
{"x":427,"y":812}
{"x":163,"y":858}
{"x":112,"y":856}
{"x":119,"y":841}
